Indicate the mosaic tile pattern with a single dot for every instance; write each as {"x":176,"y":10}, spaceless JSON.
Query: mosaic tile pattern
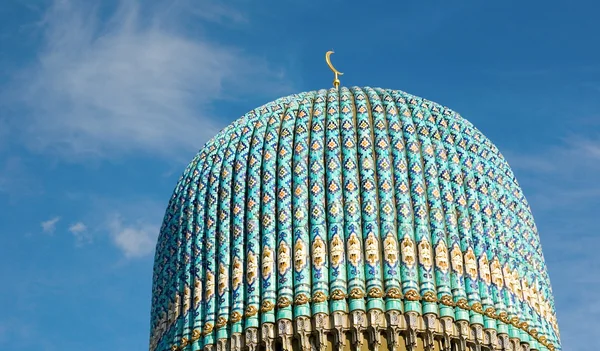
{"x":360,"y":199}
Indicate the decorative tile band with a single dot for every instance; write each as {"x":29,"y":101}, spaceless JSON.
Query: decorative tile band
{"x":413,"y":296}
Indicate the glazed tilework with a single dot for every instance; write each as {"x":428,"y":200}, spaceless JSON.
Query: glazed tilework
{"x":356,"y":199}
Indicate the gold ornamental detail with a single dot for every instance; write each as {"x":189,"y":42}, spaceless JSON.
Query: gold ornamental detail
{"x":441,"y":256}
{"x":372,"y":249}
{"x":354,"y":250}
{"x":390,"y":250}
{"x":429,"y":296}
{"x":252,"y":268}
{"x":237,"y":273}
{"x":319,"y":297}
{"x":221,"y":322}
{"x":477,"y":308}
{"x":462,"y":303}
{"x":223,"y":280}
{"x":268,"y":262}
{"x":338,"y":294}
{"x":470,"y":263}
{"x":299,"y":255}
{"x":394,"y":293}
{"x":319,"y":255}
{"x":283,"y":258}
{"x":412,"y":295}
{"x":236,"y":317}
{"x":424,"y":249}
{"x":267,"y":306}
{"x":375,"y":293}
{"x":184,"y":342}
{"x":356,"y":293}
{"x":207,"y":329}
{"x":283,"y":302}
{"x":456,"y":259}
{"x":301,"y":299}
{"x":251,"y":311}
{"x":210,"y":285}
{"x":336,"y":73}
{"x":491,"y":312}
{"x":447,"y":301}
{"x":407,"y":248}
{"x":337,"y":251}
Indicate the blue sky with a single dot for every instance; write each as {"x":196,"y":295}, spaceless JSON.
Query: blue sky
{"x":101,"y":107}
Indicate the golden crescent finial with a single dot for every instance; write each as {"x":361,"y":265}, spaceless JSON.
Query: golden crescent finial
{"x":336,"y":79}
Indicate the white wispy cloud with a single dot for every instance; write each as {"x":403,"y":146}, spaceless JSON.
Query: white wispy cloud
{"x":560,"y":175}
{"x":131,"y":224}
{"x":217,"y":11}
{"x":589,"y":147}
{"x":80,"y":233}
{"x":133,"y":239}
{"x":131,"y":83}
{"x":49,"y":226}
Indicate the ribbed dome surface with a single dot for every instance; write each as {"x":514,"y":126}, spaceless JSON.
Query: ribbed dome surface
{"x":357,"y":202}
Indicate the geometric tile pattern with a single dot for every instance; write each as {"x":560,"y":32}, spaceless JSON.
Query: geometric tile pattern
{"x":352,"y":200}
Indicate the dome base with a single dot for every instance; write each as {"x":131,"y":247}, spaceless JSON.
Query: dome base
{"x":368,"y":331}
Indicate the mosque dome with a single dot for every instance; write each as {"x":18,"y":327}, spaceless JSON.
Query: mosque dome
{"x":350,"y":218}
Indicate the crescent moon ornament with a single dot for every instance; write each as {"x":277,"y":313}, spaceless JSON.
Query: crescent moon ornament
{"x":336,"y":79}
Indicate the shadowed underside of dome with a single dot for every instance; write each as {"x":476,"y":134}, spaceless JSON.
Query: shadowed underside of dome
{"x":352,"y":218}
